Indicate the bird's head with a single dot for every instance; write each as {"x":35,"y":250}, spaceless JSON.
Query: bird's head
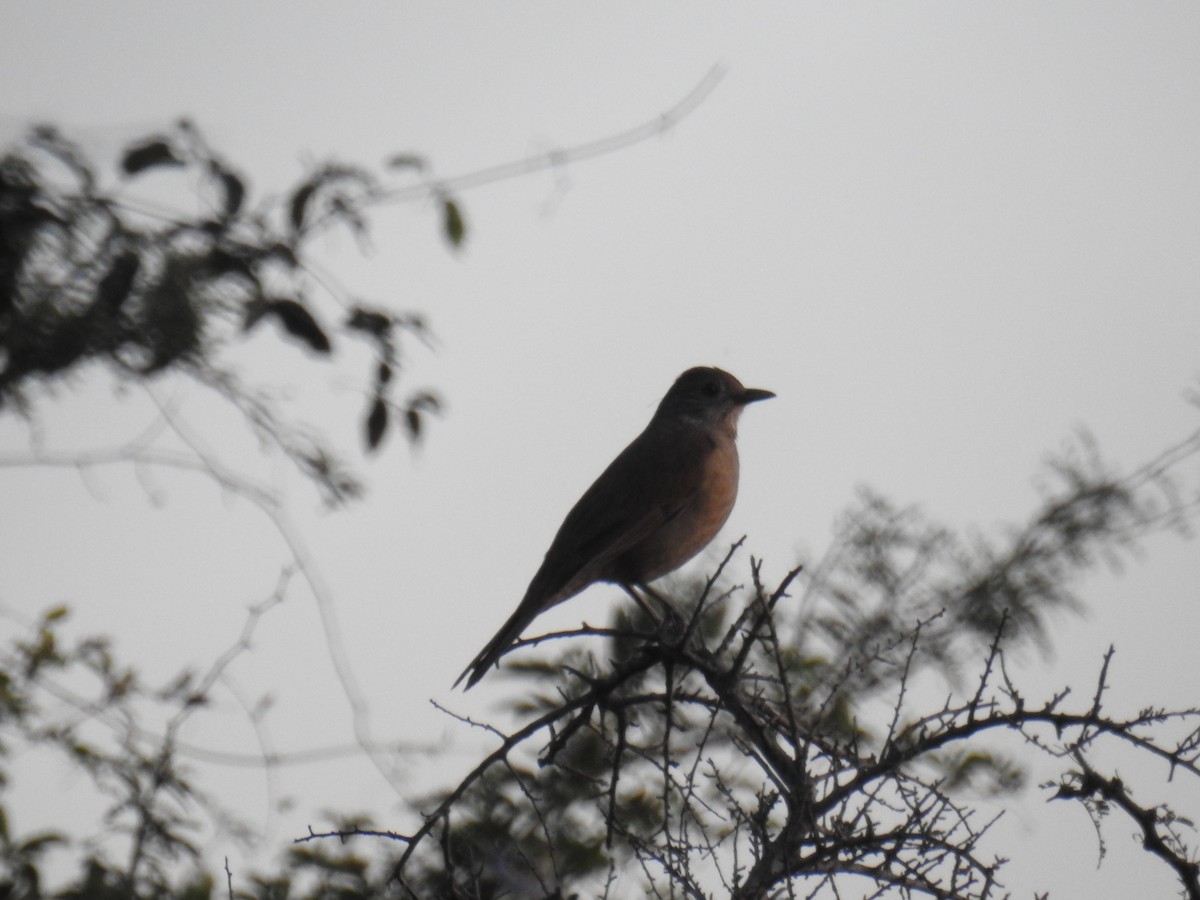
{"x":708,"y":396}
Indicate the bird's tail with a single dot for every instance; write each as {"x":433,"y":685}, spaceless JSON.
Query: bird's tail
{"x":497,"y":646}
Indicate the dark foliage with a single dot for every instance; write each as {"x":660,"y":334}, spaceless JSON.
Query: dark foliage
{"x":88,"y":275}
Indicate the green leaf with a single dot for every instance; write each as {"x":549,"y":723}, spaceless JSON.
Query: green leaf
{"x":118,"y":281}
{"x":232,"y":187}
{"x":406,"y":161}
{"x":253,"y":313}
{"x":377,"y":420}
{"x":455,"y":227}
{"x":299,"y":204}
{"x":300,"y":323}
{"x":369,"y":321}
{"x":153,"y":153}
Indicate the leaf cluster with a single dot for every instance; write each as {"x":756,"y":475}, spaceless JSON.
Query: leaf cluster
{"x":89,"y":275}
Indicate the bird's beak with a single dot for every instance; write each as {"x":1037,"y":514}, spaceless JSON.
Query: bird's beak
{"x":753,"y":395}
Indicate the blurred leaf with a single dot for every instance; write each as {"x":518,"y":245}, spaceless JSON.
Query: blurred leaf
{"x":377,"y":421}
{"x":233,"y":188}
{"x":148,"y":155}
{"x":424,"y":400}
{"x":255,"y":310}
{"x":170,"y":318}
{"x":455,"y":228}
{"x":199,"y":888}
{"x":300,"y":323}
{"x":988,"y":774}
{"x":419,"y":403}
{"x":406,"y":161}
{"x":299,"y":203}
{"x":344,"y":190}
{"x":49,"y":139}
{"x":412,"y":422}
{"x":224,"y":261}
{"x":117,"y":282}
{"x":284,"y":253}
{"x":374,"y":323}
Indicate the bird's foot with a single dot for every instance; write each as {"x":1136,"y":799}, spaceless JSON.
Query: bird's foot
{"x":670,"y":624}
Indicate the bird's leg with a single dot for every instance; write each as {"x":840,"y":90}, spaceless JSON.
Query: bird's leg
{"x":662,"y":601}
{"x":642,"y":605}
{"x":670,"y":621}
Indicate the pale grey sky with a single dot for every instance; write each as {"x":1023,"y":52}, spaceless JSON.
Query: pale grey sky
{"x":944,"y":234}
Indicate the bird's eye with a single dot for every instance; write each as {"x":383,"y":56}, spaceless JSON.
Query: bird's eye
{"x":711,"y":389}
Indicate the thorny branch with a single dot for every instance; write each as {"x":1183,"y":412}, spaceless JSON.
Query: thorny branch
{"x":1158,"y":825}
{"x":729,"y":754}
{"x":811,"y":808}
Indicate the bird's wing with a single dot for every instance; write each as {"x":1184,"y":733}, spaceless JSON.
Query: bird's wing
{"x":649,"y":483}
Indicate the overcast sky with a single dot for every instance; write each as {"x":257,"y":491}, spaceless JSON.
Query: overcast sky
{"x":946,"y":235}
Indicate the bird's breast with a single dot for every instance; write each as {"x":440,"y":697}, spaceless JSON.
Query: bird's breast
{"x":694,"y":518}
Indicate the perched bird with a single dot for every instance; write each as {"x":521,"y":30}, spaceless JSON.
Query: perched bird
{"x":656,"y":506}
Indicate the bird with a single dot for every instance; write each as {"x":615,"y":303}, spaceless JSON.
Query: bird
{"x":658,"y":504}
